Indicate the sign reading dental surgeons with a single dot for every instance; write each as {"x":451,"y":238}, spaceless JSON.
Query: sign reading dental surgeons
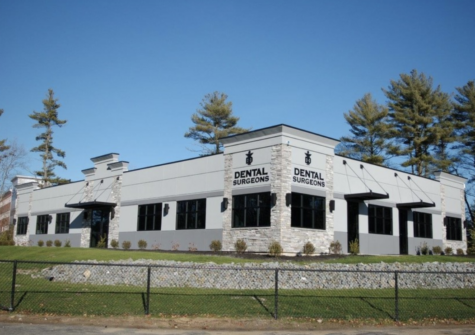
{"x":247,"y":173}
{"x":307,"y":176}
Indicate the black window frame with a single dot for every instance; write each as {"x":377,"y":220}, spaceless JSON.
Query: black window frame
{"x":422,"y":224}
{"x":22,"y":225}
{"x":380,"y":220}
{"x":42,"y":222}
{"x":149,"y":217}
{"x":308,"y":211}
{"x":251,"y":210}
{"x":62,"y":223}
{"x":453,"y":228}
{"x":191,"y":214}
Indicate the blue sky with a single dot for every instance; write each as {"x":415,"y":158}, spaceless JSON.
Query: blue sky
{"x":129,"y":74}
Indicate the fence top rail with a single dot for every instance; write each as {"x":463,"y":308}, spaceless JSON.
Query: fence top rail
{"x":236,"y":268}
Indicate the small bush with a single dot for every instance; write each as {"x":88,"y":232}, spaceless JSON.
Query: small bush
{"x":58,"y":243}
{"x":335,"y":248}
{"x":308,"y":248}
{"x":448,"y":251}
{"x":240,"y":246}
{"x":175,"y":246}
{"x":102,"y":243}
{"x":471,"y":250}
{"x":126,"y":245}
{"x":424,"y":248}
{"x":6,"y":237}
{"x":49,"y":243}
{"x":275,"y":249}
{"x":67,"y":244}
{"x":191,"y":247}
{"x":460,"y":252}
{"x":216,"y":245}
{"x":41,"y":243}
{"x":142,"y":244}
{"x":436,"y":250}
{"x":114,"y":244}
{"x":355,"y":247}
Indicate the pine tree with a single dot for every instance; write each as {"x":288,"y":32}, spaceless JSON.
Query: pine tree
{"x":464,"y":115}
{"x":47,"y":119}
{"x":418,"y":113}
{"x":369,"y":128}
{"x":215,"y":120}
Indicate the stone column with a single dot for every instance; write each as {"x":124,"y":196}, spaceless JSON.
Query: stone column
{"x":227,"y":239}
{"x":86,"y":223}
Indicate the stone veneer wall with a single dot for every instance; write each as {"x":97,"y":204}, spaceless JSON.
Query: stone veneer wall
{"x":321,"y":239}
{"x":448,"y":243}
{"x":114,"y":223}
{"x":23,"y":240}
{"x":86,"y":223}
{"x":228,"y":238}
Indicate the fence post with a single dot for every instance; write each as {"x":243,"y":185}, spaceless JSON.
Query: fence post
{"x":147,"y":308}
{"x":396,"y":296}
{"x":12,"y":300}
{"x":276,"y":298}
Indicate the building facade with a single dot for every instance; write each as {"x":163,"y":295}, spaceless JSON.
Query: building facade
{"x":274,"y":184}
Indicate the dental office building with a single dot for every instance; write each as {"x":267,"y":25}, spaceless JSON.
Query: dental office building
{"x":274,"y":184}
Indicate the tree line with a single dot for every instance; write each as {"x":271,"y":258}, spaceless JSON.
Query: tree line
{"x":421,"y":127}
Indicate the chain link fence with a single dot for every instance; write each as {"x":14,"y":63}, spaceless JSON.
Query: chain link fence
{"x":120,"y":289}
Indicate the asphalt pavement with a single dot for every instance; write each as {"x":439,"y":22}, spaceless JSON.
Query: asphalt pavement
{"x":47,"y":329}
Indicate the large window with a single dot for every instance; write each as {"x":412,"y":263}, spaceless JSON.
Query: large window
{"x":454,"y":228}
{"x":380,"y":220}
{"x":150,"y":217}
{"x":191,"y":214}
{"x":251,"y":210}
{"x":308,"y":211}
{"x":422,"y":224}
{"x":62,"y":223}
{"x":22,"y":225}
{"x":42,"y":224}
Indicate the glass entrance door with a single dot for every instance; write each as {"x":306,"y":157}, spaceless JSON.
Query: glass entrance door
{"x":99,"y":226}
{"x":353,"y":222}
{"x":403,"y":243}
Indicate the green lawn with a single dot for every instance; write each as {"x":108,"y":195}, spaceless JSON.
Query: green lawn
{"x":53,"y":254}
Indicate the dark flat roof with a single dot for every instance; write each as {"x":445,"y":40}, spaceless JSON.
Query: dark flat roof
{"x":91,"y":205}
{"x":366,"y":196}
{"x":417,"y":204}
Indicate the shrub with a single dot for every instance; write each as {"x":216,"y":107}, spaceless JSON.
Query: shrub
{"x":175,"y":246}
{"x":102,"y":243}
{"x":436,"y":250}
{"x":355,"y":247}
{"x":114,"y":244}
{"x":142,"y":244}
{"x":308,"y":249}
{"x":191,"y":247}
{"x":216,"y":245}
{"x":275,"y":249}
{"x":41,"y":243}
{"x":424,"y":248}
{"x":240,"y":246}
{"x":460,"y":252}
{"x":126,"y":245}
{"x":58,"y":243}
{"x":49,"y":243}
{"x":335,"y":248}
{"x":448,"y":251}
{"x":471,"y":250}
{"x":67,"y":244}
{"x":6,"y":237}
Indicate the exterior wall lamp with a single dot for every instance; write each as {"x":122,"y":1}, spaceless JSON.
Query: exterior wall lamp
{"x":166,"y":208}
{"x":288,"y":199}
{"x":225,"y":203}
{"x":273,"y":199}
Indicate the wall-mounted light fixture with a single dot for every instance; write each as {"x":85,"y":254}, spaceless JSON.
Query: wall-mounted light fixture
{"x":332,"y":205}
{"x":50,"y":218}
{"x":465,"y":224}
{"x":445,"y":221}
{"x":273,"y":199}
{"x":288,"y":199}
{"x":14,"y":221}
{"x":166,"y":208}
{"x":112,"y":213}
{"x":85,"y":214}
{"x":225,"y":203}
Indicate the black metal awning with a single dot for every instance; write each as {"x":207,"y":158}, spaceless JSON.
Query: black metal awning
{"x":366,"y":196}
{"x":417,"y":204}
{"x":91,"y":205}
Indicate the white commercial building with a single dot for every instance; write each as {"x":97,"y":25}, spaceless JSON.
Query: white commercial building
{"x":274,"y":184}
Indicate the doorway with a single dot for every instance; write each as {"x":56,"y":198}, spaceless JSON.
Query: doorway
{"x":403,"y":242}
{"x":353,"y":221}
{"x":99,"y":226}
